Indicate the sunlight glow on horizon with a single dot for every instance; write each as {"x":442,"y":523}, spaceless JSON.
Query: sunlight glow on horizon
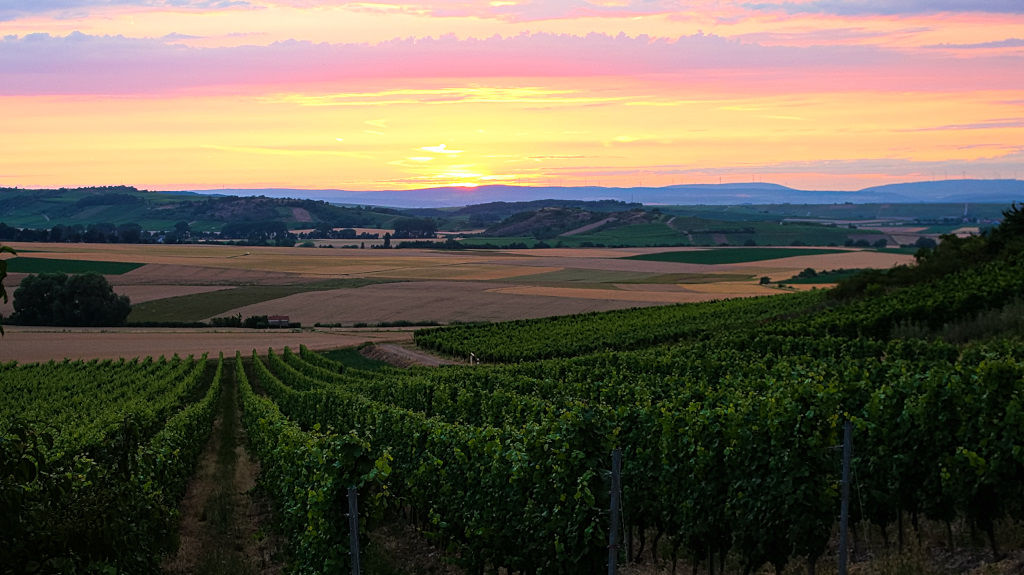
{"x":375,"y":96}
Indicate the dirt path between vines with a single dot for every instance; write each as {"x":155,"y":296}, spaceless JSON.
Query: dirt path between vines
{"x":400,"y":356}
{"x":225,"y":522}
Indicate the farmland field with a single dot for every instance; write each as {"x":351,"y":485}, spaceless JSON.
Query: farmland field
{"x":733,"y":256}
{"x":30,"y":265}
{"x":727,"y":413}
{"x":185,"y":283}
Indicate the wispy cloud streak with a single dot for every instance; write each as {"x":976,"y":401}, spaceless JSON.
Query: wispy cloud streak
{"x":889,"y":7}
{"x":79,"y":63}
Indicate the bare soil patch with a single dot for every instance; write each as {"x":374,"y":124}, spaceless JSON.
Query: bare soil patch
{"x":588,"y":227}
{"x":401,"y":356}
{"x":301,"y":215}
{"x":225,"y":520}
{"x":404,"y":546}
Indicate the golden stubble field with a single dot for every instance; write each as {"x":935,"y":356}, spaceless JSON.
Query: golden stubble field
{"x":428,"y":286}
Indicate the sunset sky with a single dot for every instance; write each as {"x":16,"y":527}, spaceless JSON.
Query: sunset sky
{"x":814,"y":94}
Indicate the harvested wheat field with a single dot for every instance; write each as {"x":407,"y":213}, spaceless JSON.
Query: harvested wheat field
{"x":785,"y":268}
{"x":436,"y":287}
{"x":28,"y":345}
{"x":143,"y":293}
{"x":633,"y":297}
{"x":438,"y":301}
{"x":183,"y":275}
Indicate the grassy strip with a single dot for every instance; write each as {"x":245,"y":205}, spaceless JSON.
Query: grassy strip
{"x":351,"y":358}
{"x":196,"y":307}
{"x":829,"y":277}
{"x":23,"y":265}
{"x":731,"y":255}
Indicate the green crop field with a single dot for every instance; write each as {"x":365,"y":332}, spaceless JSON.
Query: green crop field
{"x":29,"y":265}
{"x":732,"y":255}
{"x":825,"y":277}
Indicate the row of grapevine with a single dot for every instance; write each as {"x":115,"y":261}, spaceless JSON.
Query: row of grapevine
{"x":732,"y":450}
{"x":173,"y":452}
{"x":307,"y":474}
{"x":101,"y":497}
{"x":84,"y":403}
{"x":568,"y":336}
{"x":524,"y":497}
{"x":933,"y":304}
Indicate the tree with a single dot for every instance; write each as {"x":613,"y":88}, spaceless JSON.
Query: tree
{"x":880,"y":243}
{"x":130,"y":233}
{"x":415,"y":228}
{"x":85,"y":300}
{"x":182,"y":229}
{"x":3,"y":274}
{"x":387,"y":240}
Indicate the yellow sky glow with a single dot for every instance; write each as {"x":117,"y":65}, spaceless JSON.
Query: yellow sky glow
{"x":808,"y":100}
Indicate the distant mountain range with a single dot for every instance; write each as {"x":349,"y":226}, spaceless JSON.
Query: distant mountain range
{"x":947,"y":191}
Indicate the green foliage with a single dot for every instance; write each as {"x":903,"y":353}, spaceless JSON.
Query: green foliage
{"x":307,"y":474}
{"x":415,"y":228}
{"x":567,"y":336}
{"x":953,"y":255}
{"x":523,"y":497}
{"x":227,"y":321}
{"x":173,"y":452}
{"x":95,"y":490}
{"x":728,"y":441}
{"x":336,"y":360}
{"x":3,"y":275}
{"x":256,"y":322}
{"x":78,"y":300}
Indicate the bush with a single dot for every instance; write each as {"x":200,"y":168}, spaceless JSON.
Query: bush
{"x":228,"y":321}
{"x":256,"y":322}
{"x":84,"y":300}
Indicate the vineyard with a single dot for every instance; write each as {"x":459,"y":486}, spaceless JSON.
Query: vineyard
{"x":728,"y":415}
{"x":94,"y":458}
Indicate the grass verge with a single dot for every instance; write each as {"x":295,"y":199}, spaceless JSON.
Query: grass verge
{"x":351,"y":358}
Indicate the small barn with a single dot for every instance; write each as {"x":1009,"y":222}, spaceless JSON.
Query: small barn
{"x":278,"y":321}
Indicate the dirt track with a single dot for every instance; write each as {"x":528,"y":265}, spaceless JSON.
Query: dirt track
{"x":400,"y":356}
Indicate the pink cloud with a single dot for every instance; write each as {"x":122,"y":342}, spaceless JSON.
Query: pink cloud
{"x":83,"y":64}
